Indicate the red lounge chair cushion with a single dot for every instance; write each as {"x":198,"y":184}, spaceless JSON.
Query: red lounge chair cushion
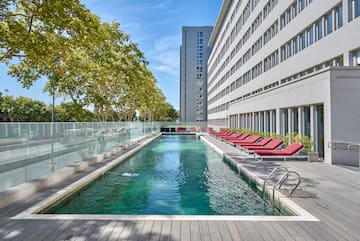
{"x":233,"y":136}
{"x":271,"y":146}
{"x":263,"y":142}
{"x":250,"y":139}
{"x":287,"y":151}
{"x":181,"y":129}
{"x":241,"y":137}
{"x":225,"y":134}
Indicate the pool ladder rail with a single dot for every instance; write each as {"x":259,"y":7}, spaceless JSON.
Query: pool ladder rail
{"x":283,"y":178}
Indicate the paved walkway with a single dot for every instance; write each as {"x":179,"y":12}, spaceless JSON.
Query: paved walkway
{"x":330,"y":193}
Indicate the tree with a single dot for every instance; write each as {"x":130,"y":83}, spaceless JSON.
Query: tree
{"x":72,"y":111}
{"x":22,"y":109}
{"x":89,"y":61}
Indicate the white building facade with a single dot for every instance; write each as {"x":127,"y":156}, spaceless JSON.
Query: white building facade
{"x":194,"y":53}
{"x":289,"y":66}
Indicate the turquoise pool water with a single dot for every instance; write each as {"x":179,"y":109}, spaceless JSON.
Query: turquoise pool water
{"x":174,"y":175}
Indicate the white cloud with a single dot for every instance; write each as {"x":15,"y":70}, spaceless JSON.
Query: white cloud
{"x":165,"y":69}
{"x":160,"y":5}
{"x":165,"y":55}
{"x":167,"y":43}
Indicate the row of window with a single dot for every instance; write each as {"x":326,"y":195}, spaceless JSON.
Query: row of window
{"x":257,"y":22}
{"x":291,"y":12}
{"x":323,"y":26}
{"x":257,"y":70}
{"x":257,"y":46}
{"x":269,"y":62}
{"x":272,"y":31}
{"x":337,"y":61}
{"x":288,"y":15}
{"x":199,"y":74}
{"x":250,"y":6}
{"x":295,"y":8}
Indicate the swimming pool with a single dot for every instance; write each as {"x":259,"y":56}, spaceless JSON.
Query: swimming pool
{"x":173,"y":175}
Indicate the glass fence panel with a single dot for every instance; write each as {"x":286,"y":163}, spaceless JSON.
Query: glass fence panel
{"x":34,"y":150}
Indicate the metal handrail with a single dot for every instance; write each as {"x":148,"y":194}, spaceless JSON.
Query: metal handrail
{"x":344,"y":145}
{"x":270,"y":174}
{"x":283,"y":179}
{"x":296,"y":185}
{"x":278,"y":183}
{"x":353,"y":147}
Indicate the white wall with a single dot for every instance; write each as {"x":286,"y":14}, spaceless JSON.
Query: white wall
{"x":345,"y":112}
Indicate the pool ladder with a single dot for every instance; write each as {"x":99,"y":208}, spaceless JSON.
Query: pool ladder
{"x":282,"y":180}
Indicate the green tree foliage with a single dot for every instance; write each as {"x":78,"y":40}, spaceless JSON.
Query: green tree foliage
{"x":89,"y":61}
{"x":22,"y":109}
{"x":72,"y":111}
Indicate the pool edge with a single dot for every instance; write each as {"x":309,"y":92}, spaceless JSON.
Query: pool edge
{"x":33,"y":212}
{"x":281,"y":201}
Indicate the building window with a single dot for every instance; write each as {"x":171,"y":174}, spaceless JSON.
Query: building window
{"x":338,"y":17}
{"x":328,"y":23}
{"x":303,"y":40}
{"x":295,"y":45}
{"x":354,"y":9}
{"x":318,"y":29}
{"x":355,"y":57}
{"x":310,"y":34}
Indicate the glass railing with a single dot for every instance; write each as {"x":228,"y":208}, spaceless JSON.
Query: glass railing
{"x":34,"y":150}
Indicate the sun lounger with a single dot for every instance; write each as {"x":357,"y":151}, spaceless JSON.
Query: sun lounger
{"x":192,"y":129}
{"x":263,"y":142}
{"x":227,"y":133}
{"x":270,"y":146}
{"x":285,"y":153}
{"x":249,"y":140}
{"x":181,"y":129}
{"x":233,"y":136}
{"x":242,"y":137}
{"x":221,"y":132}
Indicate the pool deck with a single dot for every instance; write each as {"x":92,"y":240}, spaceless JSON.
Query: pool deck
{"x":330,"y":193}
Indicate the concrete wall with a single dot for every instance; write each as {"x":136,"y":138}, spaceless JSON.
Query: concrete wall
{"x":345,"y":113}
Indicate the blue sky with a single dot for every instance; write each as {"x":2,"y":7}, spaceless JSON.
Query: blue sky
{"x":155,"y":25}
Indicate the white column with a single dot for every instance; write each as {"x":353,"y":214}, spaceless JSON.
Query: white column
{"x":240,"y":121}
{"x":290,"y":120}
{"x":259,"y":121}
{"x":313,"y":126}
{"x":271,"y":122}
{"x":280,"y":121}
{"x":265,"y":116}
{"x":301,"y":121}
{"x":245,"y":121}
{"x":253,"y":121}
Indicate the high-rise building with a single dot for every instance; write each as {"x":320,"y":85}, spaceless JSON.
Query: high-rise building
{"x":194,"y":53}
{"x":288,"y":66}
